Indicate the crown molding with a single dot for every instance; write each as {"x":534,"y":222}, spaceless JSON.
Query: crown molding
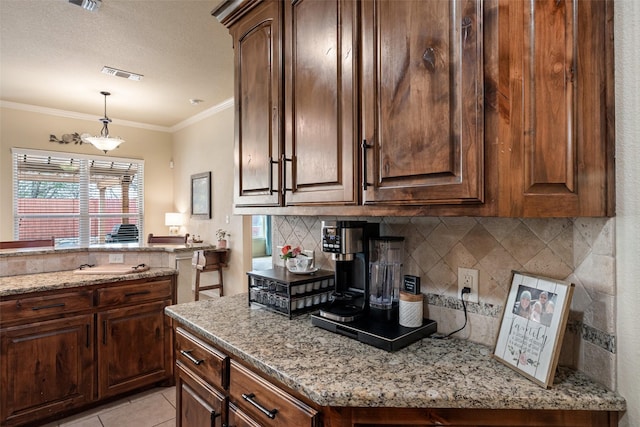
{"x":203,"y":115}
{"x":91,"y":117}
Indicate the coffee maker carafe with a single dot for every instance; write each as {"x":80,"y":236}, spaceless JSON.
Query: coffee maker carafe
{"x":348,"y":242}
{"x":385,"y":270}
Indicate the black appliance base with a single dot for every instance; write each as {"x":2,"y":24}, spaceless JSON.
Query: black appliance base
{"x":384,"y":335}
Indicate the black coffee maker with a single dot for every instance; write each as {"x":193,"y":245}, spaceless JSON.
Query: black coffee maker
{"x":349,"y":313}
{"x":348,"y":242}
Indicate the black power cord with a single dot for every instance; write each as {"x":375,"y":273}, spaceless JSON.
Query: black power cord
{"x":465,"y":290}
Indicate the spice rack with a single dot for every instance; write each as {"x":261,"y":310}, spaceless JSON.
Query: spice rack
{"x":287,"y":293}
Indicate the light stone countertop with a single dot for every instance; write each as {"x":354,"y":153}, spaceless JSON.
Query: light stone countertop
{"x":28,"y":283}
{"x":332,"y":370}
{"x":109,"y":247}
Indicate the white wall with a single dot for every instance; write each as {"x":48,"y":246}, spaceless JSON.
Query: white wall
{"x":627,"y":46}
{"x":207,"y":145}
{"x":27,"y":129}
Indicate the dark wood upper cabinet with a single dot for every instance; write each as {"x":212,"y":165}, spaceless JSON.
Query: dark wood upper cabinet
{"x":440,"y":107}
{"x":557,"y":67}
{"x":422,"y":101}
{"x":320,"y":102}
{"x":258,"y":100}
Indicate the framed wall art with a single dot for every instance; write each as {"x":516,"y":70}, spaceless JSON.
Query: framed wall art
{"x":533,"y":325}
{"x":201,"y":195}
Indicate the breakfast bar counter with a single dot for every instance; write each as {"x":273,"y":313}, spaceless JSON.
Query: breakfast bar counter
{"x":39,"y":282}
{"x":335,"y":371}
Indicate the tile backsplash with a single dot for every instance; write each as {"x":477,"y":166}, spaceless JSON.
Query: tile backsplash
{"x":579,"y":250}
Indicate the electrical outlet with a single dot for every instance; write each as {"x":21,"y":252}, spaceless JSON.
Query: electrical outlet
{"x":468,"y":277}
{"x":116,"y":258}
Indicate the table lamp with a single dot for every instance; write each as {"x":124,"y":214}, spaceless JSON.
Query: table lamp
{"x":173,"y":220}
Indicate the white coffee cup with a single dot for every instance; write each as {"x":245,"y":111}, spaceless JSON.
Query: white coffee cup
{"x":303,"y":263}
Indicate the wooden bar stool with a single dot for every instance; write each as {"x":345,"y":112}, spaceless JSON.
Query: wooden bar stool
{"x":211,"y":260}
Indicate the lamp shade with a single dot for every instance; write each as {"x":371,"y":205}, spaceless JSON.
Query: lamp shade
{"x":104,"y":143}
{"x":173,"y":219}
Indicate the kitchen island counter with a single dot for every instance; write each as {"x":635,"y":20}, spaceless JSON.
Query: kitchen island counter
{"x":38,"y":282}
{"x":332,"y":370}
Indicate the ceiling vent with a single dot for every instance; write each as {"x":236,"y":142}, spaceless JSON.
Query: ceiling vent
{"x":90,"y":5}
{"x":121,"y":73}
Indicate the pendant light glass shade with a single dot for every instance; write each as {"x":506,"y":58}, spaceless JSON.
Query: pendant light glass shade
{"x":104,"y":142}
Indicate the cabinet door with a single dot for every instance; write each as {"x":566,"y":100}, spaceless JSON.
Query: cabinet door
{"x":559,"y":132}
{"x":422,"y":102}
{"x":320,"y":101}
{"x":258,"y":94}
{"x":45,"y":368}
{"x":134,"y":348}
{"x":197,"y":403}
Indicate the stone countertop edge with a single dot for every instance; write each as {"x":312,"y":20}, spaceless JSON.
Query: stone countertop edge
{"x":116,"y":247}
{"x":39,"y":282}
{"x":332,"y":370}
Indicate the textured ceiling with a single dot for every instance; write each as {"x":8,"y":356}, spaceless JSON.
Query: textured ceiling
{"x":52,"y":53}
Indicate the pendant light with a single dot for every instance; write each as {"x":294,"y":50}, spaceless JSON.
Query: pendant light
{"x":104,"y":142}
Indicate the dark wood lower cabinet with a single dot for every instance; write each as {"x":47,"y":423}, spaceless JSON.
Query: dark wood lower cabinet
{"x":460,"y":417}
{"x":46,"y":367}
{"x":61,"y":351}
{"x":131,"y":342}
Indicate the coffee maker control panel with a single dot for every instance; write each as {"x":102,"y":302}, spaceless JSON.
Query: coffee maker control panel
{"x":331,"y":241}
{"x":342,"y":237}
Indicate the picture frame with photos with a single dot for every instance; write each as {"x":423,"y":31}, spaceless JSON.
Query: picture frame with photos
{"x":533,"y":324}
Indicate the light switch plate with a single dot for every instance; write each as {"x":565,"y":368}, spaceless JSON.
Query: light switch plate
{"x":116,"y":258}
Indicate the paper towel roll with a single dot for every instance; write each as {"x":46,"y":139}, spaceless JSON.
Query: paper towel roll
{"x":410,"y":310}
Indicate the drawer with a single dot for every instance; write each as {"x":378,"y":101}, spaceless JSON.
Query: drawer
{"x":265,"y":402}
{"x":205,"y":361}
{"x":133,"y":293}
{"x":36,"y":307}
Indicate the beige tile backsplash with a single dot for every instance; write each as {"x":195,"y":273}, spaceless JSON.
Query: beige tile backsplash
{"x":580,"y":250}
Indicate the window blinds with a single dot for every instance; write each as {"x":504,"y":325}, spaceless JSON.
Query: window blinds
{"x":80,"y":200}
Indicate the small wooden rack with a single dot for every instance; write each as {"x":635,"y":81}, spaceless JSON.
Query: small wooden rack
{"x":211,"y":260}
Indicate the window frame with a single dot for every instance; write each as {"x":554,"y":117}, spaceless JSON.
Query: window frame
{"x":84,"y":216}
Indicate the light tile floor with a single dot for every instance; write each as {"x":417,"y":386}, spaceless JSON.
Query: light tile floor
{"x":152,"y":408}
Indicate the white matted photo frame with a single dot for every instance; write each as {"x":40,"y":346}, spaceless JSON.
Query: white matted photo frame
{"x":533,"y":325}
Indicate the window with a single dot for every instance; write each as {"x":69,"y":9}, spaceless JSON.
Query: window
{"x":259,"y":226}
{"x":78,"y":199}
{"x":261,"y":235}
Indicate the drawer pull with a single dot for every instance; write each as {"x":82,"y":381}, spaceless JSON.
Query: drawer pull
{"x":269,"y":413}
{"x":131,"y":294}
{"x":44,"y":307}
{"x":187,"y":354}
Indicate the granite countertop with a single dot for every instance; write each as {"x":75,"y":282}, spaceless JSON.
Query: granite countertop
{"x":332,"y":370}
{"x":27,"y":283}
{"x":110,"y":247}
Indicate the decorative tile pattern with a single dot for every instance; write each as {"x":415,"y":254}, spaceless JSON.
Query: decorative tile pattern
{"x":580,"y":250}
